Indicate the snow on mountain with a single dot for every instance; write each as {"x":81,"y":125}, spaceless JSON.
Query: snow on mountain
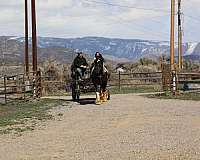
{"x":191,"y":48}
{"x":163,"y":43}
{"x":113,"y":48}
{"x":13,"y":38}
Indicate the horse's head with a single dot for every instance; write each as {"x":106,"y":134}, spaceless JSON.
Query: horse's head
{"x":99,"y":75}
{"x":97,"y":68}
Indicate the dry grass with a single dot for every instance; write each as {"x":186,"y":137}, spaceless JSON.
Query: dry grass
{"x":19,"y":116}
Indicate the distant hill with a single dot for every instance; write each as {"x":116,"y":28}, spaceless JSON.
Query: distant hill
{"x":12,"y":52}
{"x":120,"y":50}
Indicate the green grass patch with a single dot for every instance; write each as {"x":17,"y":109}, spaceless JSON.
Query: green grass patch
{"x":195,"y":96}
{"x":20,"y":112}
{"x":134,"y":89}
{"x":58,"y":93}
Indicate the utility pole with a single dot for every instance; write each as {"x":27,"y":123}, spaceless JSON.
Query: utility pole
{"x":172,"y":64}
{"x":34,"y":36}
{"x":26,"y":40}
{"x":180,"y":50}
{"x":4,"y":55}
{"x":172,"y":35}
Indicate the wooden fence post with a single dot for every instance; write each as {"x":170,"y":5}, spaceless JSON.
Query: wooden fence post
{"x":5,"y":89}
{"x":24,"y":87}
{"x":38,"y":84}
{"x":119,"y":83}
{"x":166,"y":77}
{"x":34,"y":85}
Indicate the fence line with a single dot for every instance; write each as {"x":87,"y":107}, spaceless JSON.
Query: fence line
{"x":19,"y":87}
{"x":23,"y":87}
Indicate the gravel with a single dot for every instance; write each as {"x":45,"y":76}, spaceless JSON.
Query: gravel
{"x":129,"y":127}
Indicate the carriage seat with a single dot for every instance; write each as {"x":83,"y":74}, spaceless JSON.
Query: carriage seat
{"x":76,"y":75}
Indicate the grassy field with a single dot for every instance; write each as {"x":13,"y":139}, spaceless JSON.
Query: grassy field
{"x":134,"y":89}
{"x":115,"y":90}
{"x":20,"y":116}
{"x":182,"y":96}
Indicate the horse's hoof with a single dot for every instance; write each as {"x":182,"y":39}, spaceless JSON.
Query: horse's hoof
{"x":105,"y":100}
{"x":98,"y":103}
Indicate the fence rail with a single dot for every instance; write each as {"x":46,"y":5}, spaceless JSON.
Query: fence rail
{"x":18,"y":87}
{"x":23,"y":87}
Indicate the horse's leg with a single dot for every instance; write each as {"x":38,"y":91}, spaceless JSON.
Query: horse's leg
{"x":98,"y":99}
{"x":105,"y":95}
{"x":101,"y":95}
{"x":103,"y":87}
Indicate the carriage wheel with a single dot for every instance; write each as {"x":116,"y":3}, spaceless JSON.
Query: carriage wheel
{"x":75,"y":91}
{"x":73,"y":94}
{"x":77,"y":96}
{"x":108,"y":96}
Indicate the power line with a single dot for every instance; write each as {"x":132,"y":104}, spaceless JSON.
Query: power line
{"x":141,"y":28}
{"x":121,"y":21}
{"x":139,"y":8}
{"x":194,"y":18}
{"x":188,"y":30}
{"x":153,"y":19}
{"x":125,"y":6}
{"x":144,"y":28}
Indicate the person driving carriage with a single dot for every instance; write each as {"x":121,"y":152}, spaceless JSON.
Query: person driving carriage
{"x":80,"y":64}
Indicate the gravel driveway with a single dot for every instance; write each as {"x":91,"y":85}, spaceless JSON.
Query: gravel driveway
{"x":129,"y":127}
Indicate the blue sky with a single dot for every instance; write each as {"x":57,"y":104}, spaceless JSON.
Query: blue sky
{"x":141,"y":19}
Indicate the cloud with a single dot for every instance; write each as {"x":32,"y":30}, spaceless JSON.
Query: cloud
{"x":77,"y":18}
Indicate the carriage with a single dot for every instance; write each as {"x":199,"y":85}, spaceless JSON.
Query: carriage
{"x":83,"y":85}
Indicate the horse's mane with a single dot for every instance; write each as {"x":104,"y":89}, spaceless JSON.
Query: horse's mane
{"x":97,"y":68}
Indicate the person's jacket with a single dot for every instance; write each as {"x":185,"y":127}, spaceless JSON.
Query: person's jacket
{"x":78,"y":61}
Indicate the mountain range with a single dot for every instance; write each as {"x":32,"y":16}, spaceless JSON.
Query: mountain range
{"x":120,"y":50}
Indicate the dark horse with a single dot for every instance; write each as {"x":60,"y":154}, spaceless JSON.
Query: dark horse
{"x":99,"y":76}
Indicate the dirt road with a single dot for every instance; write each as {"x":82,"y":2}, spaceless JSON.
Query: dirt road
{"x":129,"y":127}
